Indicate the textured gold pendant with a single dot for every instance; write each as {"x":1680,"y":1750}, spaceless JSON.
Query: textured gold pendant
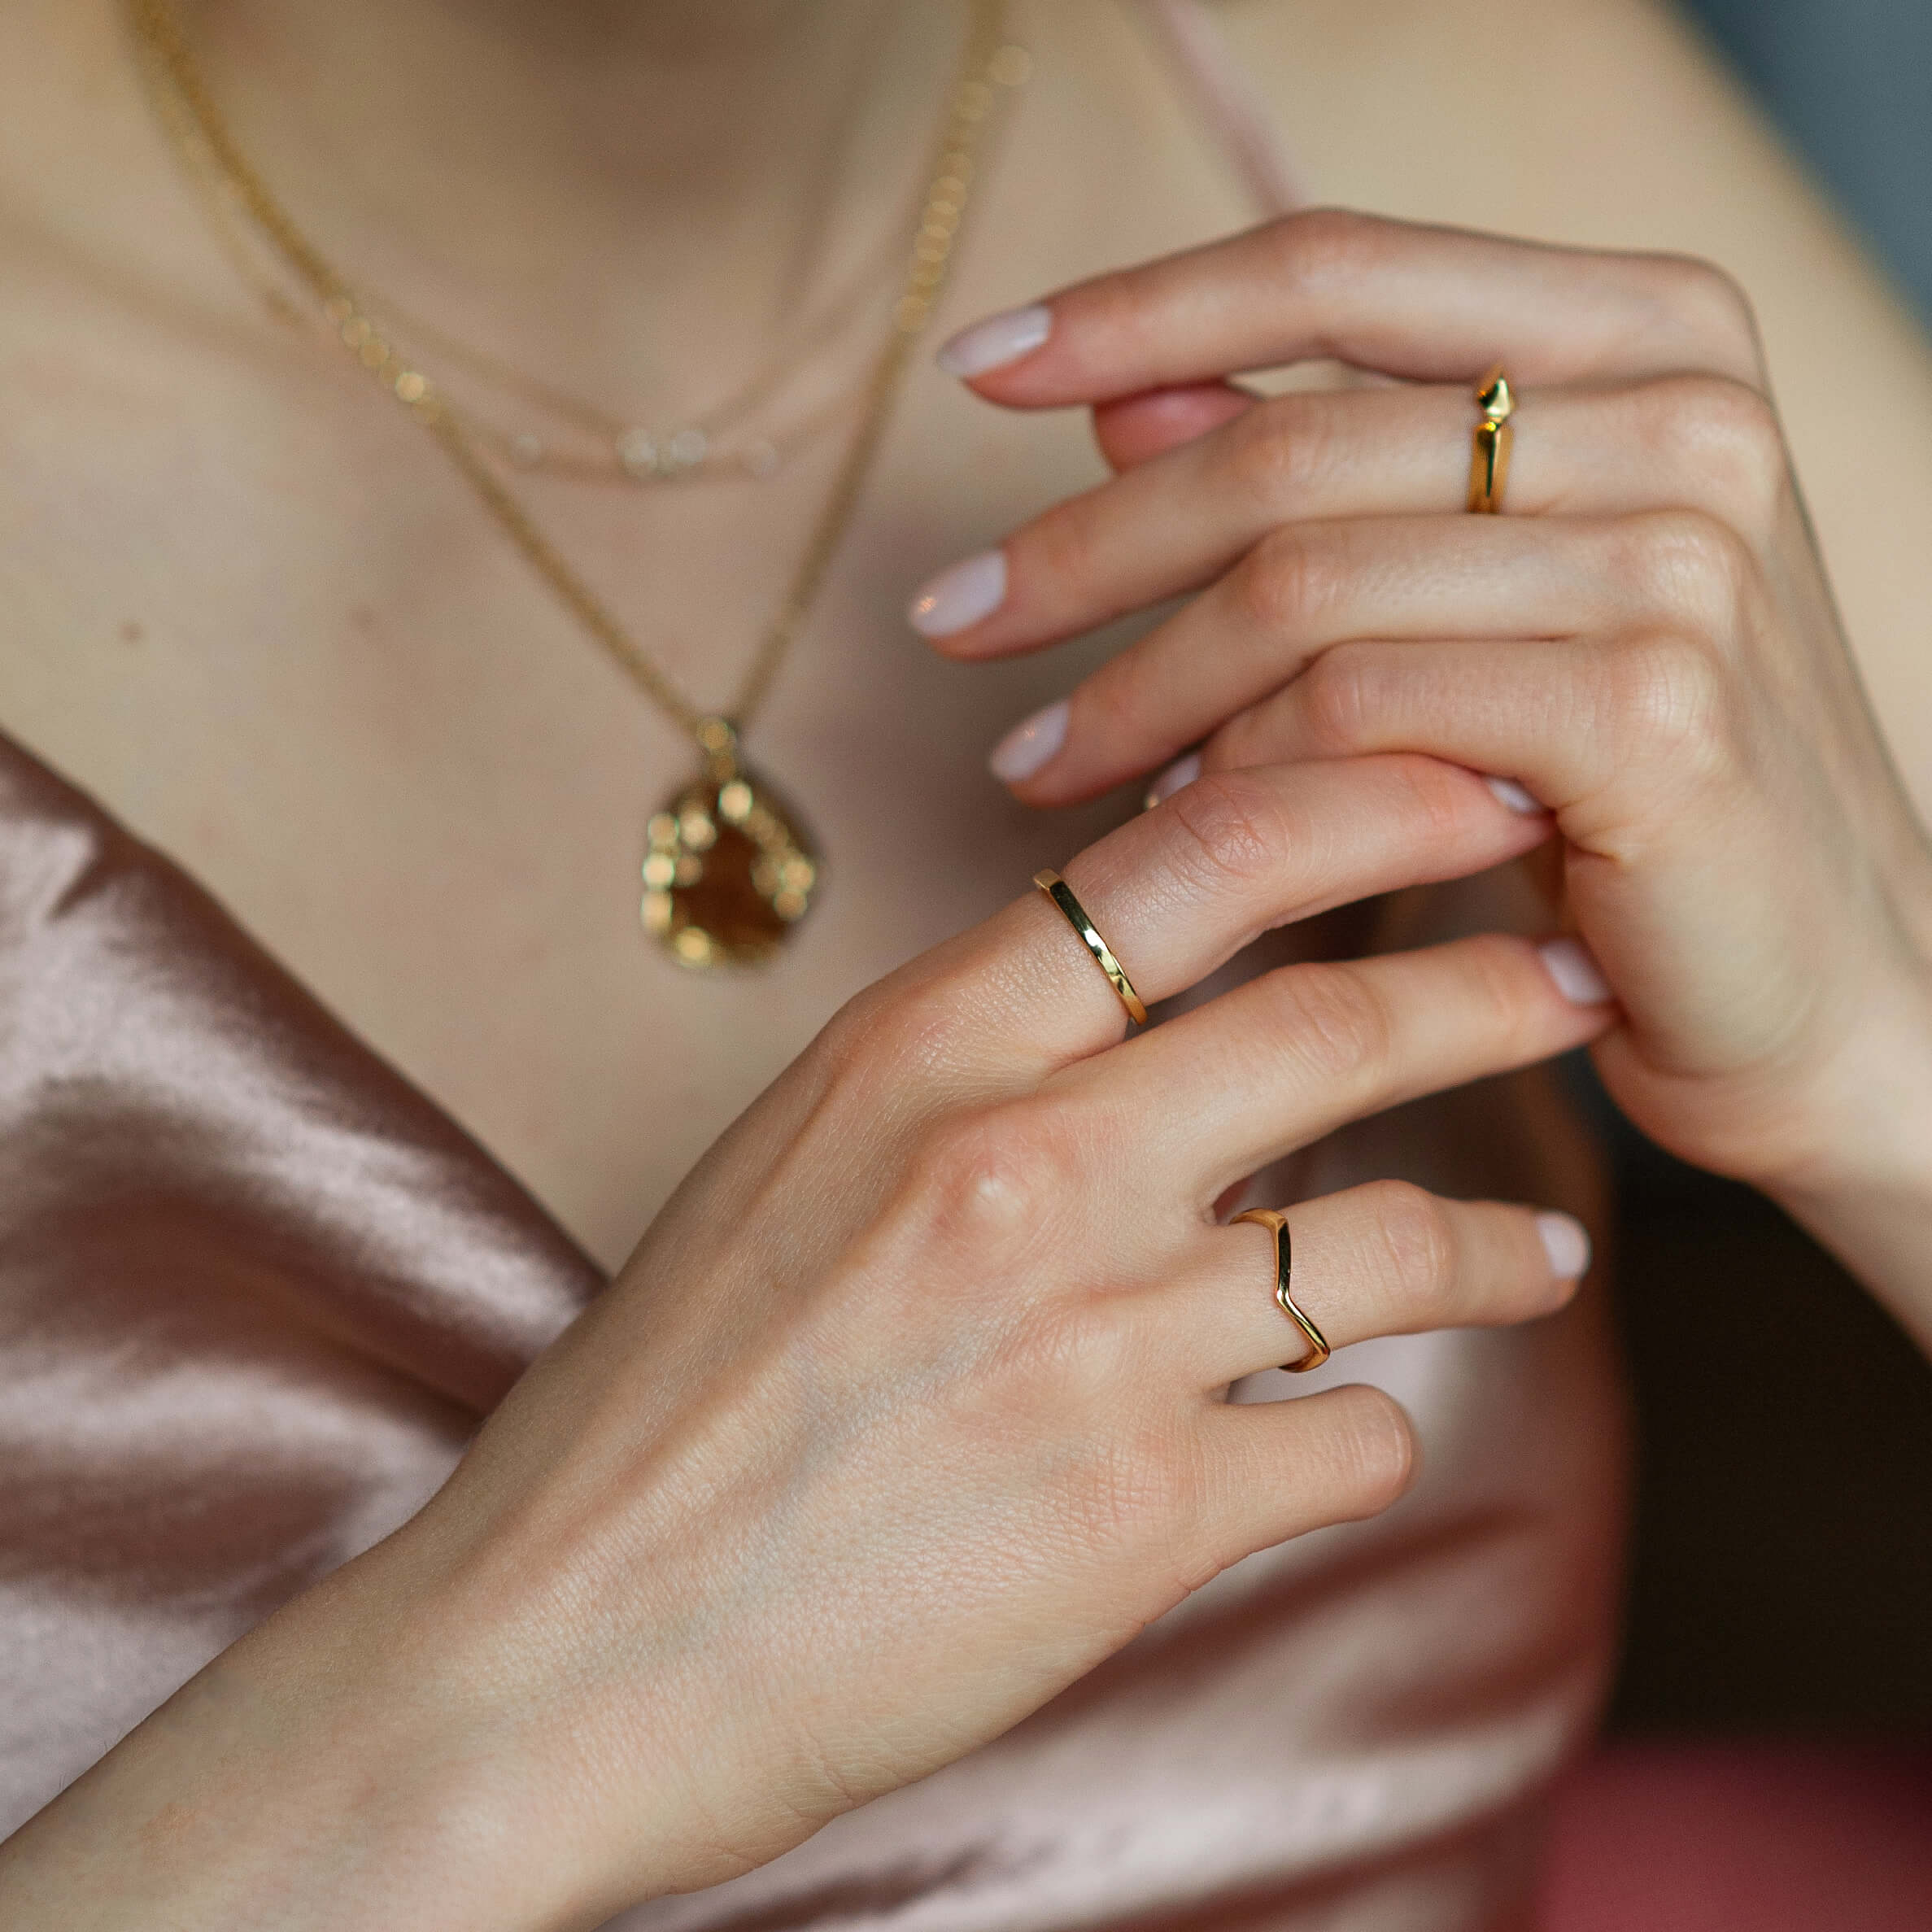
{"x":729,"y":873}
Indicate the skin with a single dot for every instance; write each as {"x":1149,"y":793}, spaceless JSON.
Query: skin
{"x":1649,"y":644}
{"x":526,"y":1649}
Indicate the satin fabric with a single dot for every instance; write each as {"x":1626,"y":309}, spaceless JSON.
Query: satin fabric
{"x":256,"y":1292}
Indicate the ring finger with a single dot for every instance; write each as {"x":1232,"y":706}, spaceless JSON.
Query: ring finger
{"x":1385,"y":1259}
{"x":1307,"y":590}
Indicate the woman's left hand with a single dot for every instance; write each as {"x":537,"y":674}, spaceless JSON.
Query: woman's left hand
{"x":1644,"y":645}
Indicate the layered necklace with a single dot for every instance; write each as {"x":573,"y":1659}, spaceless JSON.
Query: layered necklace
{"x":728,"y":869}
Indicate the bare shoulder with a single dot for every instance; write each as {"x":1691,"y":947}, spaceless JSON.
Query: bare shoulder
{"x":1606,"y":122}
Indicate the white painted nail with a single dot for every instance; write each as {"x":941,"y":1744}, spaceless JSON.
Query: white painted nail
{"x":1566,"y":1241}
{"x":1029,"y":744}
{"x":998,"y":340}
{"x":960,"y":595}
{"x":1183,"y":771}
{"x":1578,"y":977}
{"x":1514,"y":796}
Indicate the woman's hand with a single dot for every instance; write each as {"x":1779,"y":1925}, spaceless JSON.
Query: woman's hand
{"x":907,"y":1412}
{"x":1644,"y":647}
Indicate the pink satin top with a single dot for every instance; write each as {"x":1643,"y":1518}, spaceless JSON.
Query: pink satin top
{"x":256,"y":1292}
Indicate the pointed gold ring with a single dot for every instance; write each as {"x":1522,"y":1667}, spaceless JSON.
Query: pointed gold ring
{"x":1488,"y":455}
{"x":1318,"y":1350}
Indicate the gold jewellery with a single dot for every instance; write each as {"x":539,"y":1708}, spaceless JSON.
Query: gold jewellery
{"x":1318,"y":1350}
{"x":728,"y":872}
{"x":1488,"y":455}
{"x":1057,"y":890}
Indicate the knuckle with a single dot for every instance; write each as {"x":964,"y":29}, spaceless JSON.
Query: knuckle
{"x":1491,"y":989}
{"x":1321,"y":248}
{"x":1726,"y":433}
{"x":1282,"y":584}
{"x":1232,"y":828}
{"x":1118,"y":704}
{"x":1693,"y":564}
{"x":1671,"y":705}
{"x":1337,"y":698}
{"x":1332,"y":1021}
{"x":1371,"y":1447}
{"x":1437,"y":801}
{"x":1277,"y":453}
{"x":1060,"y":545}
{"x":988,"y":1179}
{"x":907,"y":1020}
{"x":1708,"y":304}
{"x":1415,"y":1244}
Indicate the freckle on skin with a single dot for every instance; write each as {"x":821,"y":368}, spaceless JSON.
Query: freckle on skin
{"x":132,"y":633}
{"x":363,"y":618}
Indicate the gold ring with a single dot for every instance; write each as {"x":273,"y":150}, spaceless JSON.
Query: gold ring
{"x":1318,"y":1350}
{"x":1057,"y":890}
{"x":1488,"y":455}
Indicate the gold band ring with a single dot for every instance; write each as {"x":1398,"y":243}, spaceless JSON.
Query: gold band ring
{"x":1318,"y":1350}
{"x":1488,"y":454}
{"x":1057,"y":890}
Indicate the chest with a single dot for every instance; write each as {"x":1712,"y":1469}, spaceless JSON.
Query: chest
{"x":264,"y":620}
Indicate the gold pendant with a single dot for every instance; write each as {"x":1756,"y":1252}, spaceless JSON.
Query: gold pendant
{"x":729,"y":873}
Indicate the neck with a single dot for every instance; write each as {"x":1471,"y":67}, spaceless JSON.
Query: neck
{"x":623,"y":189}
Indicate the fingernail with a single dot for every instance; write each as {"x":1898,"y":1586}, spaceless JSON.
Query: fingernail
{"x":1183,"y":771}
{"x":1029,"y":744}
{"x":1513,"y":795}
{"x":960,"y":595}
{"x":1578,"y":977}
{"x":1566,"y":1240}
{"x":999,"y":339}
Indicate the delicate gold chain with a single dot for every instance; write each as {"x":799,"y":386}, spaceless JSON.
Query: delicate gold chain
{"x":988,"y":63}
{"x":689,"y":445}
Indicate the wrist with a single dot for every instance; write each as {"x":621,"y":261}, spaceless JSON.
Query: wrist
{"x":1863,"y":1188}
{"x":308,"y":1778}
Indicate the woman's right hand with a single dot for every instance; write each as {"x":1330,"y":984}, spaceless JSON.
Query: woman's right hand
{"x":906,"y":1413}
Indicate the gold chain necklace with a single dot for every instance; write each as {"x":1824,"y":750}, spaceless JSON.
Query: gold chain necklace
{"x":734,"y":438}
{"x":728,"y":873}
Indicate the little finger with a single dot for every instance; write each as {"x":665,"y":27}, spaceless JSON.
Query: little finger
{"x":1609,"y":736}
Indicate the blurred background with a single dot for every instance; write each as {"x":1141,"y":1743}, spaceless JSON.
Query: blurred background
{"x":1783,"y":1561}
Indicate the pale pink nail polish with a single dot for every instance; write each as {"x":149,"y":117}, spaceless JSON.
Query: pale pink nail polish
{"x":1510,"y":793}
{"x":999,"y":339}
{"x":960,"y":595}
{"x":1183,"y":771}
{"x":1578,"y":977}
{"x":1566,"y":1240}
{"x":1030,"y":744}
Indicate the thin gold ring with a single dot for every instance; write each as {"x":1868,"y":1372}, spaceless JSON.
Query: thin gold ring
{"x":1057,"y":890}
{"x":1318,"y":1350}
{"x":1488,"y":454}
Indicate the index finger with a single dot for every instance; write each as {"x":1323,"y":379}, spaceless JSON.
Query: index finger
{"x":1409,"y":299}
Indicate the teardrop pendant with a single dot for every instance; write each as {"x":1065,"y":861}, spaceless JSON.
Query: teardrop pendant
{"x":729,"y":873}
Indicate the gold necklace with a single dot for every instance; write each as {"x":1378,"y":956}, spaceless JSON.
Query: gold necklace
{"x":734,"y":438}
{"x":729,"y":872}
